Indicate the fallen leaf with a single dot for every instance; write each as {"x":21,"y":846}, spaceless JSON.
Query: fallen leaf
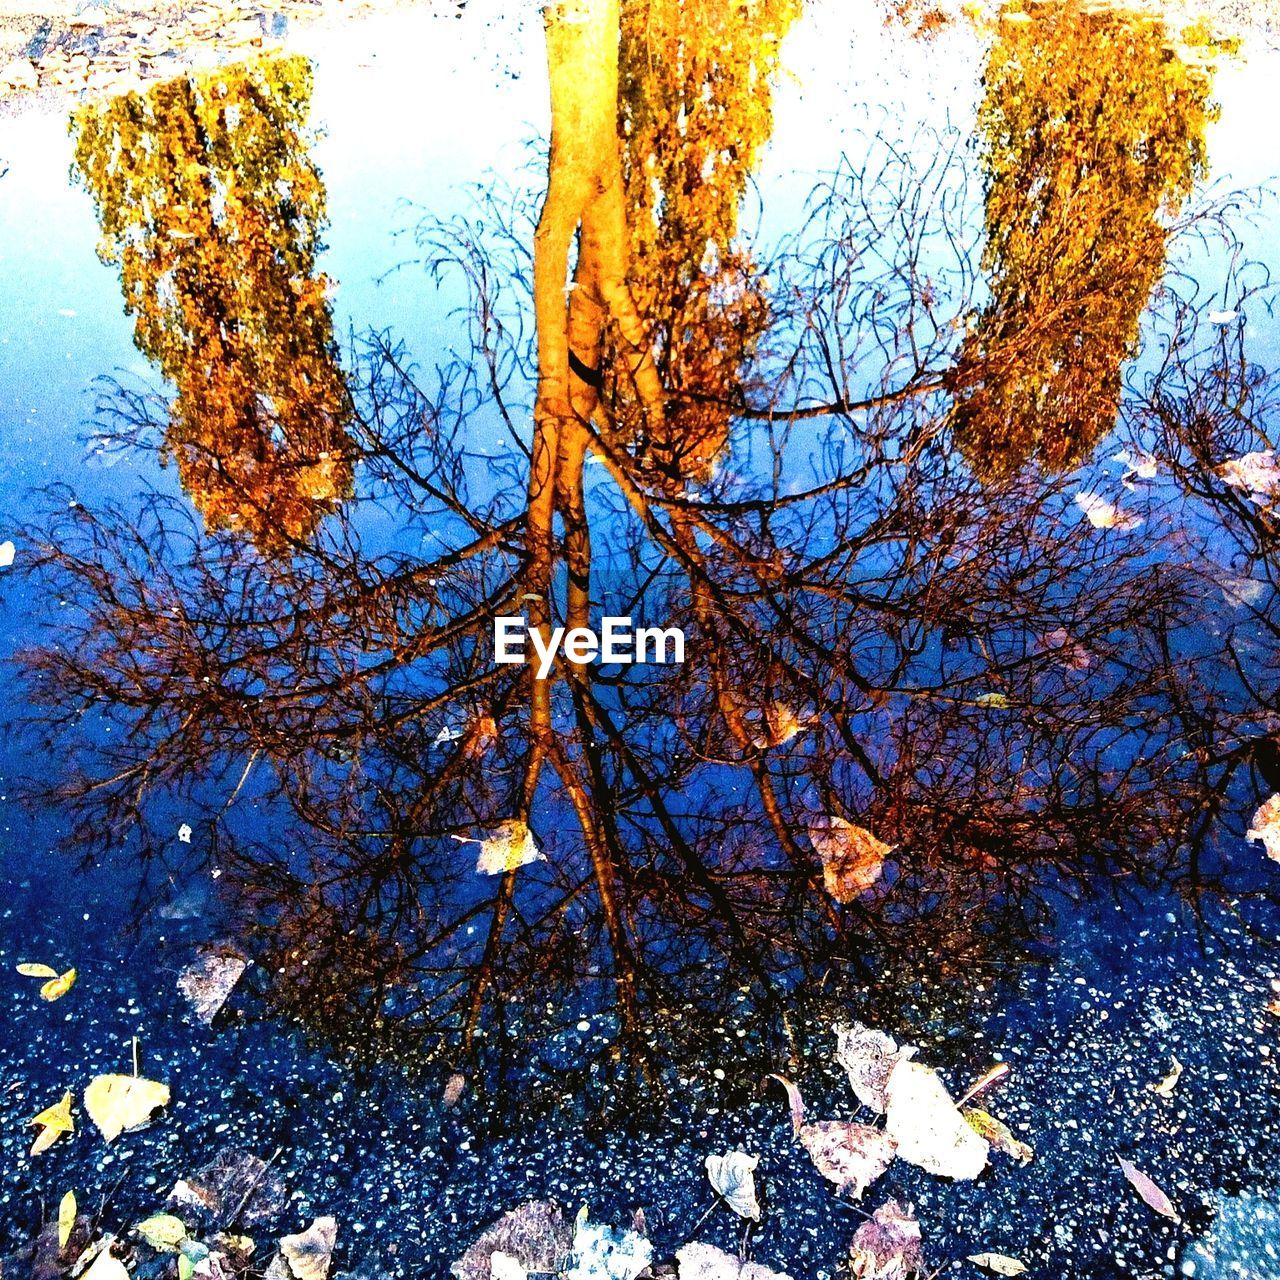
{"x":508,"y":846}
{"x":1266,"y":827}
{"x":37,"y":971}
{"x":928,"y":1127}
{"x":998,"y":1134}
{"x":209,"y":980}
{"x":850,"y":1155}
{"x":117,"y":1103}
{"x":888,"y":1246}
{"x":454,"y":1088}
{"x":235,"y":1183}
{"x":7,"y":549}
{"x":1256,"y":473}
{"x":993,"y":1073}
{"x":58,"y":986}
{"x":1154,"y":1197}
{"x":163,"y":1232}
{"x":606,"y":1253}
{"x":1103,"y":514}
{"x":54,"y":1121}
{"x":1000,"y":1263}
{"x":852,"y":858}
{"x":868,"y":1057}
{"x":535,"y":1234}
{"x":733,"y":1177}
{"x":66,"y":1218}
{"x":700,"y":1261}
{"x":310,"y":1252}
{"x":106,"y":1266}
{"x":1166,"y":1086}
{"x":185,"y":833}
{"x":778,"y":724}
{"x":1138,"y":465}
{"x":1222,"y":317}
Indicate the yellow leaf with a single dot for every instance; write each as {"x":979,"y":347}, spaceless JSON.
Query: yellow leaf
{"x":54,"y":1121}
{"x":37,"y":971}
{"x":58,"y":986}
{"x":852,"y":858}
{"x":117,"y":1104}
{"x":66,"y":1217}
{"x":1000,"y":1263}
{"x":163,"y":1232}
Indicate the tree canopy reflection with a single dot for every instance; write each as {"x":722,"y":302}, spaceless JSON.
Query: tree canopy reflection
{"x":212,"y":208}
{"x":1004,"y":696}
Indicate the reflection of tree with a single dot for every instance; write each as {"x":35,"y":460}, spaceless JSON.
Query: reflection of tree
{"x":1092,"y":131}
{"x":212,"y":209}
{"x":695,"y":111}
{"x":871,"y":634}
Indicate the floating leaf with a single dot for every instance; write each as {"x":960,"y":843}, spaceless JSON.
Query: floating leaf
{"x":851,"y":1155}
{"x":185,"y":833}
{"x":58,"y":986}
{"x":163,"y":1232}
{"x":7,"y":549}
{"x":208,"y":981}
{"x":1170,"y":1082}
{"x":54,"y":1121}
{"x":66,"y":1217}
{"x":998,"y":1134}
{"x":1154,"y":1197}
{"x":1257,"y":473}
{"x":928,"y":1127}
{"x":1266,"y":827}
{"x":37,"y":971}
{"x":852,"y":858}
{"x":508,"y":846}
{"x":700,"y":1261}
{"x":1000,"y":1263}
{"x":310,"y":1252}
{"x":1103,"y":514}
{"x":454,"y":1088}
{"x":733,"y":1177}
{"x":502,"y":1266}
{"x":868,"y":1057}
{"x":117,"y":1104}
{"x":887,"y":1247}
{"x":1222,"y":317}
{"x":605,"y":1253}
{"x":778,"y":724}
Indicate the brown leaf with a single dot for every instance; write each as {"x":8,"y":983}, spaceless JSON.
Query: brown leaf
{"x":888,"y":1246}
{"x":1154,"y":1197}
{"x":794,"y":1101}
{"x":852,"y":1156}
{"x":852,"y":858}
{"x":535,"y":1234}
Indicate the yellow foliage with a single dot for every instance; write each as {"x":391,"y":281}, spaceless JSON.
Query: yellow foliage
{"x":1092,"y":135}
{"x":212,"y":209}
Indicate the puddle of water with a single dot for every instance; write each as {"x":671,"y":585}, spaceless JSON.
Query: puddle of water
{"x":856,"y":327}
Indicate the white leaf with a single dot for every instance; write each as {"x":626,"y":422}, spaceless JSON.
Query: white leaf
{"x":184,"y":833}
{"x":1103,"y":514}
{"x":928,"y":1127}
{"x":1221,"y":317}
{"x":208,"y":981}
{"x":1256,"y":473}
{"x":1000,"y":1263}
{"x":733,"y":1177}
{"x":705,"y":1262}
{"x":1266,"y":827}
{"x":7,"y":552}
